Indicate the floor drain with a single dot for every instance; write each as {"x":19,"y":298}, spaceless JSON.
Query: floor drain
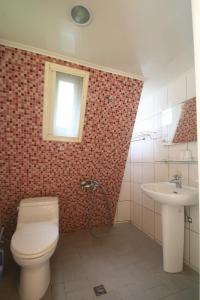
{"x":100,"y":290}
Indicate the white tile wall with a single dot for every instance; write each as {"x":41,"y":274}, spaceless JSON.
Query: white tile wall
{"x":137,"y":213}
{"x":194,"y":250}
{"x":161,"y":99}
{"x":187,"y":246}
{"x":148,"y":222}
{"x":148,"y":151}
{"x":177,"y":91}
{"x":194,"y":214}
{"x":137,"y":172}
{"x":147,"y":173}
{"x":125,"y":193}
{"x":193,"y":175}
{"x":175,"y":151}
{"x":137,"y":193}
{"x":192,"y":146}
{"x":143,"y":166}
{"x":160,"y":153}
{"x":127,"y":172}
{"x":190,"y":78}
{"x":136,"y":151}
{"x":124,"y":211}
{"x":161,"y":172}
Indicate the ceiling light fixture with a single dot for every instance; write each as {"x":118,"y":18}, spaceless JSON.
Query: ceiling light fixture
{"x":81,"y":15}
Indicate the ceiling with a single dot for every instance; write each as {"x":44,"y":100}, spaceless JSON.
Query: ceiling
{"x":135,"y":36}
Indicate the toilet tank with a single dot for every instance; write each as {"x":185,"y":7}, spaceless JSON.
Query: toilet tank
{"x":39,"y":209}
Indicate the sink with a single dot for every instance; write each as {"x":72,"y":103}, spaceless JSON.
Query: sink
{"x":167,"y":193}
{"x":172,"y":200}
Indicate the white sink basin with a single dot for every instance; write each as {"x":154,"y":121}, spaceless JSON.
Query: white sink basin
{"x":167,"y":193}
{"x":172,"y":201}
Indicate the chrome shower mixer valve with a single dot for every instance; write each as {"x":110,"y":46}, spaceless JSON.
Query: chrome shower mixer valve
{"x":91,"y":185}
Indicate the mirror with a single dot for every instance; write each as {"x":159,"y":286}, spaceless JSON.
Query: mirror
{"x":179,"y":123}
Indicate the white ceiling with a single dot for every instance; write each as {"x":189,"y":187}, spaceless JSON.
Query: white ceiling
{"x":134,"y":36}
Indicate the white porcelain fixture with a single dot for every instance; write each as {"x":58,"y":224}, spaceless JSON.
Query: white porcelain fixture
{"x":33,"y":243}
{"x":173,"y":200}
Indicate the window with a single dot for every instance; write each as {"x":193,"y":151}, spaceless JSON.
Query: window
{"x":65,"y":93}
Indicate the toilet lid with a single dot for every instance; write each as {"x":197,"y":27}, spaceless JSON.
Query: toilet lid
{"x":33,"y":238}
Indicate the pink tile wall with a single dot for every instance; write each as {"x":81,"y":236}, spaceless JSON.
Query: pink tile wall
{"x":32,"y":167}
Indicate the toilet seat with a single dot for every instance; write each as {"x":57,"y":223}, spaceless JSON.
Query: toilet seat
{"x":33,"y":240}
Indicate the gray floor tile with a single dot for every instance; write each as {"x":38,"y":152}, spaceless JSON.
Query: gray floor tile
{"x":75,"y":285}
{"x":58,"y":292}
{"x":82,"y":294}
{"x":187,"y":294}
{"x":124,"y":260}
{"x":113,"y":295}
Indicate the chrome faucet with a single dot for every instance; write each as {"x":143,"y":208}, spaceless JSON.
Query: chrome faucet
{"x":177,"y":179}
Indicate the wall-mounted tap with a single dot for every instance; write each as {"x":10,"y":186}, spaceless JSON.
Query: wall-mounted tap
{"x":91,"y":185}
{"x":177,"y":179}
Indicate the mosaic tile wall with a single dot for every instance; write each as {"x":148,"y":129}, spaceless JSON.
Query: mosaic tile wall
{"x":32,"y":167}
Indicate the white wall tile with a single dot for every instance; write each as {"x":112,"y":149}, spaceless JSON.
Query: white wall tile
{"x":136,"y":151}
{"x":137,"y":213}
{"x":177,"y":91}
{"x":147,"y":173}
{"x":148,"y":151}
{"x":194,"y":214}
{"x":161,"y":151}
{"x":192,"y":146}
{"x":137,"y":193}
{"x":137,"y":127}
{"x":164,"y":134}
{"x":194,"y":249}
{"x":157,"y":124}
{"x":129,"y":154}
{"x":158,"y":228}
{"x":123,"y":211}
{"x":148,"y":124}
{"x":144,"y":212}
{"x":187,"y":245}
{"x":148,"y":222}
{"x":132,"y":191}
{"x":161,"y":172}
{"x":125,"y":192}
{"x":161,"y":100}
{"x":191,"y":89}
{"x":193,"y":175}
{"x":127,"y":172}
{"x":175,"y":151}
{"x":148,"y":202}
{"x":137,"y":172}
{"x":146,"y":108}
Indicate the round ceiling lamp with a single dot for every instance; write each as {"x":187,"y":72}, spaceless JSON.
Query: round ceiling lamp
{"x":81,"y":15}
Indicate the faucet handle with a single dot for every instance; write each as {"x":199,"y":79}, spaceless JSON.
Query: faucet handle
{"x":177,"y":176}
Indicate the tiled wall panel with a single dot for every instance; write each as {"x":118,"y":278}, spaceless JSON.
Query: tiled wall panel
{"x":33,"y":167}
{"x":147,"y":165}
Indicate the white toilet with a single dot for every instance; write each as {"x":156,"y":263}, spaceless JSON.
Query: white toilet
{"x":33,"y":243}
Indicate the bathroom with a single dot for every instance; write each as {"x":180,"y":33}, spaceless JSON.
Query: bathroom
{"x":99,"y":195}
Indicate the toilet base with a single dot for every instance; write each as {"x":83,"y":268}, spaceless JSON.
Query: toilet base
{"x":34,"y":281}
